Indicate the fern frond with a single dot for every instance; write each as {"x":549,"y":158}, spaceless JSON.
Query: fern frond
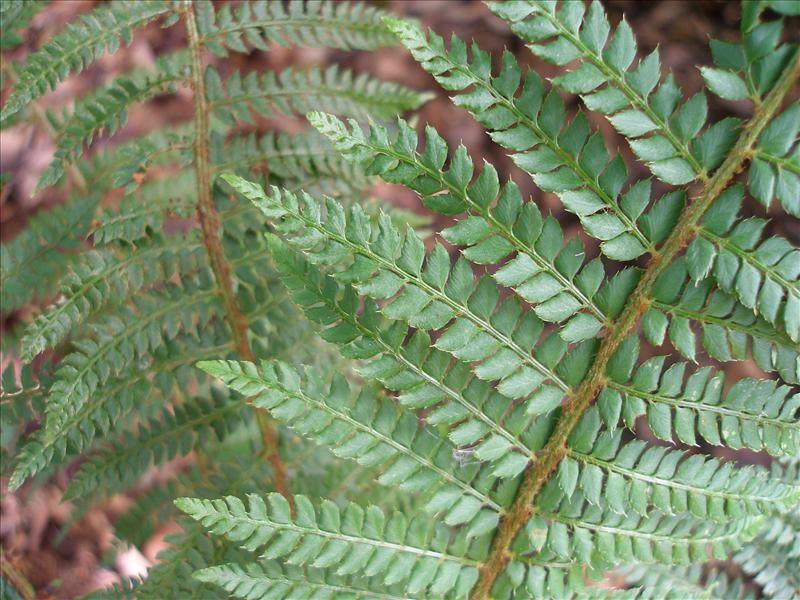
{"x":567,"y":528}
{"x":631,"y":478}
{"x":355,"y":540}
{"x":754,"y":413}
{"x":632,"y":93}
{"x":370,"y":431}
{"x":43,"y":244}
{"x":763,"y":275}
{"x":404,"y":362}
{"x":501,"y":228}
{"x":473,"y":326}
{"x":660,"y":582}
{"x":565,"y":158}
{"x":346,"y":26}
{"x":773,"y":558}
{"x":121,"y":339}
{"x":180,"y":431}
{"x":80,"y":44}
{"x":253,"y":581}
{"x":105,"y":112}
{"x":728,"y":327}
{"x":775,"y":169}
{"x":303,"y":160}
{"x":612,"y":82}
{"x":118,"y":397}
{"x":16,"y":14}
{"x":101,"y":278}
{"x":295,"y":92}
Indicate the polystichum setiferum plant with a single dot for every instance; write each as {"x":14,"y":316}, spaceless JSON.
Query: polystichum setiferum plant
{"x":135,"y":292}
{"x":518,"y":378}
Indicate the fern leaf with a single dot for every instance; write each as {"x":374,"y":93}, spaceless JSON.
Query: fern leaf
{"x":253,"y":581}
{"x":43,"y":243}
{"x":634,"y":479}
{"x":189,"y":426}
{"x":365,"y":429}
{"x":756,"y":414}
{"x":99,"y":279}
{"x":121,"y":339}
{"x":763,"y":275}
{"x":728,"y":327}
{"x":293,"y":92}
{"x":16,"y":14}
{"x":304,"y":160}
{"x":83,"y":42}
{"x":117,"y":398}
{"x":436,"y":298}
{"x":660,"y":582}
{"x":259,"y":23}
{"x":564,"y":528}
{"x":564,"y":158}
{"x":354,"y":540}
{"x":501,"y":228}
{"x":775,"y":169}
{"x":135,"y":219}
{"x":411,"y":367}
{"x":773,"y":558}
{"x":105,"y":112}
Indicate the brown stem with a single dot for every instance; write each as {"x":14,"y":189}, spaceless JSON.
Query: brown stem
{"x":211,"y":226}
{"x":554,"y":450}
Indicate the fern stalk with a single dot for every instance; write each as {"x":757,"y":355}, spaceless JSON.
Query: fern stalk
{"x":210,"y":224}
{"x":579,"y":401}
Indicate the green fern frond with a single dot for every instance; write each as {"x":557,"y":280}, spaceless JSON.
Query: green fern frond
{"x":105,"y":112}
{"x":294,"y":92}
{"x":631,"y":478}
{"x":16,"y":14}
{"x":660,"y":582}
{"x":346,"y":26}
{"x":594,"y":534}
{"x":159,"y":440}
{"x":754,"y":413}
{"x":254,"y":581}
{"x":80,"y":44}
{"x":369,"y":431}
{"x":101,"y":278}
{"x":123,"y":338}
{"x":727,"y":327}
{"x":134,"y":219}
{"x":663,"y":133}
{"x":775,"y":170}
{"x":353,"y":540}
{"x":303,"y":160}
{"x":501,"y":228}
{"x":169,"y":367}
{"x":562,"y":157}
{"x":45,"y":244}
{"x":763,"y":275}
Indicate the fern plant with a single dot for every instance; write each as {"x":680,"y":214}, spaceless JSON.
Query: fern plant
{"x":135,"y":291}
{"x":514,"y":376}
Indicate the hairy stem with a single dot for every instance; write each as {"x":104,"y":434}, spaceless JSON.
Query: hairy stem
{"x":211,"y":226}
{"x":555,"y":449}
